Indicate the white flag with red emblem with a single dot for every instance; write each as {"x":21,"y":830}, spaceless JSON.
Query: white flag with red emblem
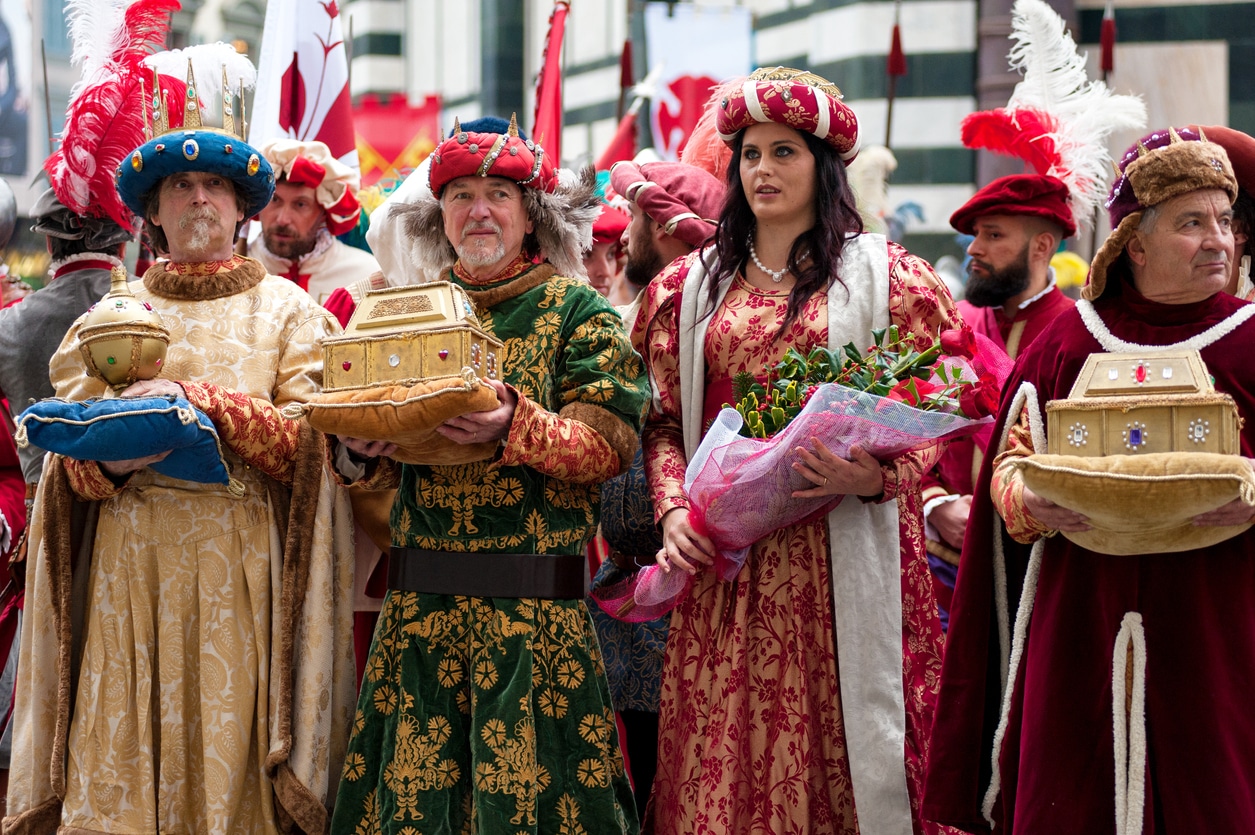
{"x":691,"y":66}
{"x":303,"y":78}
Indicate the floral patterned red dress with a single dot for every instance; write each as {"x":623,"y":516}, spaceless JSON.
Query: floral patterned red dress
{"x":751,"y":736}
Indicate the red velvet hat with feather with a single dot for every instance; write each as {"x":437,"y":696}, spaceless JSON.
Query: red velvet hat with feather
{"x":105,"y":119}
{"x":1057,"y":120}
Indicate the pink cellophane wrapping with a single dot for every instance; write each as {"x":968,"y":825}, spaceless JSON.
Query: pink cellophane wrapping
{"x":740,"y":489}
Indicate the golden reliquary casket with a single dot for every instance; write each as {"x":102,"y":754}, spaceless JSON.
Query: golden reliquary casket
{"x":1143,"y":444}
{"x":409,"y":359}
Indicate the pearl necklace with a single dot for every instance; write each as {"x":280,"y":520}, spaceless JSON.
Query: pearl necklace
{"x":777,"y":276}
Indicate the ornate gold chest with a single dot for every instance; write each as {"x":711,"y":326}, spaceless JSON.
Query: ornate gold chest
{"x":1133,"y":404}
{"x":404,"y":334}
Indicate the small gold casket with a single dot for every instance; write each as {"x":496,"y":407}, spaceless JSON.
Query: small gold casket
{"x":1133,"y":404}
{"x":405,"y":334}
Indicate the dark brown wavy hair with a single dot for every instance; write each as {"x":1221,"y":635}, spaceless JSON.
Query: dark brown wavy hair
{"x":836,"y":220}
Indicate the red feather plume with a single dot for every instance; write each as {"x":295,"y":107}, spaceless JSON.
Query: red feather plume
{"x":105,"y":119}
{"x":1022,"y":133}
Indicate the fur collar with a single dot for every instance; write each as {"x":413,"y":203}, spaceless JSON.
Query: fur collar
{"x":493,"y":296}
{"x":562,"y":225}
{"x":204,"y":287}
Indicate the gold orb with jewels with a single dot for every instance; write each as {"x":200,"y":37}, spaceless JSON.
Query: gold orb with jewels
{"x":122,"y":339}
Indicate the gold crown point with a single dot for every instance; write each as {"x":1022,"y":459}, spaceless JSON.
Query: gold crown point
{"x":513,"y":130}
{"x":1142,"y":150}
{"x":1173,"y":136}
{"x":457,"y":126}
{"x":1202,"y":137}
{"x":191,"y":107}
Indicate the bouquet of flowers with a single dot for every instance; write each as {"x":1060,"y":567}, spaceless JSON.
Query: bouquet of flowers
{"x":895,"y":399}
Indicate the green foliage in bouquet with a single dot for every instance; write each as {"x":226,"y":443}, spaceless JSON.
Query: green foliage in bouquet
{"x":892,"y":368}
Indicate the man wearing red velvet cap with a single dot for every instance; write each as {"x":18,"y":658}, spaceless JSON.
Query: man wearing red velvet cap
{"x":315,"y":200}
{"x":1011,"y":297}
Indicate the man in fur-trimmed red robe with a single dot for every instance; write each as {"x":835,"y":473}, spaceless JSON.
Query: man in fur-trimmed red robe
{"x":1115,"y":698}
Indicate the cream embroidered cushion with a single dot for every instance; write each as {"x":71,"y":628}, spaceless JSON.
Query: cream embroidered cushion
{"x":1143,"y":504}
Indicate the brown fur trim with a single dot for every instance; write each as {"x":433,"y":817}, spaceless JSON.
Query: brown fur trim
{"x":1111,"y":249}
{"x":291,"y":796}
{"x":616,"y":432}
{"x":41,"y":820}
{"x":1179,"y":168}
{"x":494,"y":296}
{"x":300,"y":810}
{"x":563,"y":222}
{"x":423,"y":222}
{"x":58,"y":505}
{"x":203,"y":287}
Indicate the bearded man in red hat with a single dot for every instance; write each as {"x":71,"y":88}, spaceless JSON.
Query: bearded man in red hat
{"x":484,"y":704}
{"x":1011,"y":298}
{"x":315,"y":200}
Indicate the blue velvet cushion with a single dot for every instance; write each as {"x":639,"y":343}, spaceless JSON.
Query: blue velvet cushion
{"x":121,"y":428}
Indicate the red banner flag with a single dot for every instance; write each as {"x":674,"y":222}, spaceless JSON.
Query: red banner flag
{"x":547,"y":126}
{"x":1107,"y":39}
{"x":393,"y":136}
{"x":896,"y":64}
{"x":623,"y":145}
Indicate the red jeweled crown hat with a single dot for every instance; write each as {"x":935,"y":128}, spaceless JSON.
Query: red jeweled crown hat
{"x":506,"y":155}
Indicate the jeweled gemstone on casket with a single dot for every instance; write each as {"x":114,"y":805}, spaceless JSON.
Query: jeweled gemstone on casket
{"x":111,"y":361}
{"x":1135,"y":437}
{"x":444,"y":353}
{"x":1167,"y":372}
{"x":1078,"y":435}
{"x":1140,"y":373}
{"x":394,"y":360}
{"x":347,"y":365}
{"x":1113,"y":374}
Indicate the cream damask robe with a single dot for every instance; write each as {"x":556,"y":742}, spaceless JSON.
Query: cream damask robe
{"x":179,"y":698}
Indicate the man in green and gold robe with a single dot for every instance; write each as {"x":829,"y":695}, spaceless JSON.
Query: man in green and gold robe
{"x":484,"y":705}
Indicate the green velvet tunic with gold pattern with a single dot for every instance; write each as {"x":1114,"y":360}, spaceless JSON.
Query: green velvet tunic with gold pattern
{"x":492,"y":715}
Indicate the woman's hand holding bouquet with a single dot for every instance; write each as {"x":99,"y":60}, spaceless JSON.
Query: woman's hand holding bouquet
{"x":817,"y":428}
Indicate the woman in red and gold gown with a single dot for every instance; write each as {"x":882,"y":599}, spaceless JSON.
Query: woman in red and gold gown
{"x":798,"y":697}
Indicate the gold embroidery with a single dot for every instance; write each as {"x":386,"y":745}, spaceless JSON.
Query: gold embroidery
{"x":569,"y":814}
{"x":514,"y":770}
{"x":416,"y":765}
{"x":462,"y":489}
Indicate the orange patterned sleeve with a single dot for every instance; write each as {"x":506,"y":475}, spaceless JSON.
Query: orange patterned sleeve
{"x":89,"y":481}
{"x":557,"y":446}
{"x":1007,"y":486}
{"x":252,"y":427}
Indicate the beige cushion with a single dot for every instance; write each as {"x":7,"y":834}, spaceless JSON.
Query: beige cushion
{"x":407,"y":415}
{"x":1143,"y":504}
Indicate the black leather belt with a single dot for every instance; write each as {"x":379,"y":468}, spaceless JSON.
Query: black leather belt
{"x":477,"y":574}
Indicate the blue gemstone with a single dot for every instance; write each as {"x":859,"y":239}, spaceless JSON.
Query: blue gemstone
{"x":1135,"y":437}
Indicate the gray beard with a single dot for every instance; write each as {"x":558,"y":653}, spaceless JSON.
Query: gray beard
{"x":199,"y":228}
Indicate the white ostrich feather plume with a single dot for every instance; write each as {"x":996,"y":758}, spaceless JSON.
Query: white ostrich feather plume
{"x":1085,"y":112}
{"x":208,"y":61}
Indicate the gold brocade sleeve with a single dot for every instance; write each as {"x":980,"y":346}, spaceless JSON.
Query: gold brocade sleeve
{"x":253,"y":428}
{"x":654,"y":337}
{"x":557,"y":446}
{"x":1007,"y":485}
{"x":89,"y":482}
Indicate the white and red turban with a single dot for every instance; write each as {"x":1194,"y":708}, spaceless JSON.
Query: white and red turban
{"x":794,"y":98}
{"x":311,"y":164}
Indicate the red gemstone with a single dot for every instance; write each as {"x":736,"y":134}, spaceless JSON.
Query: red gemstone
{"x":347,"y":365}
{"x":444,"y":354}
{"x":1140,"y":374}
